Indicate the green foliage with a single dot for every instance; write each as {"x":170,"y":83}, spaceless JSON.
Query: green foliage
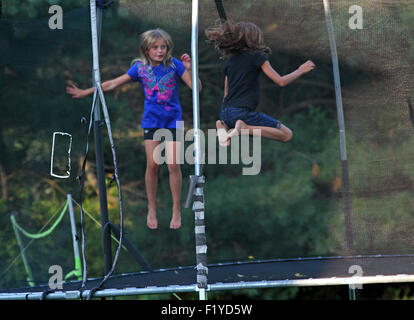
{"x":292,"y":208}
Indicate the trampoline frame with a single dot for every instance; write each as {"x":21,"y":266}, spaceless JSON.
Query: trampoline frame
{"x":352,"y":282}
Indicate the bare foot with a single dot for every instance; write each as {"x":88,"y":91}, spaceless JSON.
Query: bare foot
{"x":152,"y":222}
{"x":236,"y":130}
{"x":222,"y":138}
{"x":175,"y":220}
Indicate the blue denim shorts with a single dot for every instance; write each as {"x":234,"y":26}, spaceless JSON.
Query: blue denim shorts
{"x":231,"y":114}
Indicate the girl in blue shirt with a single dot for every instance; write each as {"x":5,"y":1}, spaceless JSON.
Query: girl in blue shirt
{"x":158,"y":73}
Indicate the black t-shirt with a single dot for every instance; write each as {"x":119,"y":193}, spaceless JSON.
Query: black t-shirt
{"x":243,"y":73}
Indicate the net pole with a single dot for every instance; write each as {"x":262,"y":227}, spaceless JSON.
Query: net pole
{"x":341,"y":123}
{"x":30,"y":279}
{"x":96,"y":20}
{"x":78,"y":268}
{"x":352,"y":292}
{"x":194,"y":74}
{"x":198,"y":205}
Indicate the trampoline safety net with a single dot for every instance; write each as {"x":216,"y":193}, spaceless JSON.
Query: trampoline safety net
{"x":309,"y":198}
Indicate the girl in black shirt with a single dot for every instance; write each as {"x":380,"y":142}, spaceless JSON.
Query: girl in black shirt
{"x":242,"y":43}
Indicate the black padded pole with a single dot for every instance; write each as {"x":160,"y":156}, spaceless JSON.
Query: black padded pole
{"x":200,"y":233}
{"x":198,"y":205}
{"x":220,"y":9}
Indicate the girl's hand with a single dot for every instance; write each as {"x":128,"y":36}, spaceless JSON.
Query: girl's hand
{"x":74,"y":91}
{"x":186,"y":59}
{"x":187,"y":75}
{"x":307,"y":67}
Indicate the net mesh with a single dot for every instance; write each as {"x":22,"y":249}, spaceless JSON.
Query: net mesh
{"x":292,"y":208}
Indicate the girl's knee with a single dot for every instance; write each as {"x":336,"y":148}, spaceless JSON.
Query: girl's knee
{"x":174,"y":168}
{"x":152,"y":166}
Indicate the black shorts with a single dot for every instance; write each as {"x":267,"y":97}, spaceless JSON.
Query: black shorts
{"x":169,"y":134}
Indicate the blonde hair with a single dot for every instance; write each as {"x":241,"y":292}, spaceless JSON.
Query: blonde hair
{"x":148,"y":38}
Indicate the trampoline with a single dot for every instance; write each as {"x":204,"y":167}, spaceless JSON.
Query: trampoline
{"x":361,"y":174}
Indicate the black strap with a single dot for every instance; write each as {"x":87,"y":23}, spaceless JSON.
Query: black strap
{"x":45,"y":293}
{"x":220,"y":9}
{"x":103,"y":5}
{"x":410,"y":111}
{"x":81,"y":291}
{"x":92,"y":292}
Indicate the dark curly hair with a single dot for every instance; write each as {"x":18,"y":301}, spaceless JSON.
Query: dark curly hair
{"x":229,"y":38}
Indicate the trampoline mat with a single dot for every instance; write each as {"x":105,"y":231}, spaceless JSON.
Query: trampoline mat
{"x":251,"y":271}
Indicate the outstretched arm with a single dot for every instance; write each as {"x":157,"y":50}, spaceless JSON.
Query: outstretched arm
{"x":187,"y":77}
{"x":109,"y":85}
{"x":286,"y":79}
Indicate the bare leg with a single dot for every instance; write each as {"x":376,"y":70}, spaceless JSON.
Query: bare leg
{"x":284,"y":134}
{"x":174,"y":169}
{"x":222,"y":129}
{"x":151,"y":180}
